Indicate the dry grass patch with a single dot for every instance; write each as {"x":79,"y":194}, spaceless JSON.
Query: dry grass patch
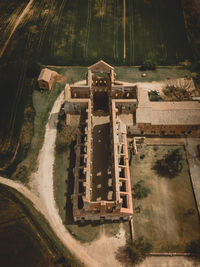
{"x":168,"y":217}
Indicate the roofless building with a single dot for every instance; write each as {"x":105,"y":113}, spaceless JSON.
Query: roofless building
{"x":102,"y":188}
{"x":106,"y":111}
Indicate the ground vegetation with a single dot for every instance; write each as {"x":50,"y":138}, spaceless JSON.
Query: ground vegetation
{"x":138,"y":249}
{"x":168,"y":217}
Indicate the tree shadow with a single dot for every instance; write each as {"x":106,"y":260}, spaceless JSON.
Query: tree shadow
{"x":123,"y":258}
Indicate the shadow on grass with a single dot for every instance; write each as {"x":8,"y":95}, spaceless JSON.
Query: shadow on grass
{"x":122,"y":257}
{"x":70,"y":185}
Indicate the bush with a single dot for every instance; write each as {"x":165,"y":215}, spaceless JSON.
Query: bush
{"x":154,"y":96}
{"x":148,"y":65}
{"x":33,"y":69}
{"x":177,"y":93}
{"x":138,"y":249}
{"x":21,"y":173}
{"x":170,"y":166}
{"x":194,"y":248}
{"x":140,"y":190}
{"x":195,"y":67}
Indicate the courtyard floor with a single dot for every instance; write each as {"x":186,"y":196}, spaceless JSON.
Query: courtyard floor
{"x":164,"y":218}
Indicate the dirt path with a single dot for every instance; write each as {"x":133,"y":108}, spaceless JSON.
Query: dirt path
{"x":42,"y":196}
{"x":19,"y":19}
{"x":105,"y":248}
{"x":42,"y":185}
{"x":41,"y":189}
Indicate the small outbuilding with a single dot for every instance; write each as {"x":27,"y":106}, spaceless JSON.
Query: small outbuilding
{"x":46,"y":78}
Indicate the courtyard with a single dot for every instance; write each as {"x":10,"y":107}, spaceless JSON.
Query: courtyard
{"x":167,"y":217}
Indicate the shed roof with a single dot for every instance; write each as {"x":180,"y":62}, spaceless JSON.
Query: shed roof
{"x":170,"y":113}
{"x":45,"y":75}
{"x":101,"y":66}
{"x":167,"y":113}
{"x":175,"y":117}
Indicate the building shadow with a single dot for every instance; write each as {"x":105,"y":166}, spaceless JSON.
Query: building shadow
{"x":70,"y":185}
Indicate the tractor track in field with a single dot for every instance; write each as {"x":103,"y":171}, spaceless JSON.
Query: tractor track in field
{"x":18,"y":21}
{"x":7,"y":24}
{"x":124,"y":24}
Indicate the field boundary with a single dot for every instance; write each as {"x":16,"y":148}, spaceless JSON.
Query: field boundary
{"x":169,"y":254}
{"x":192,"y":179}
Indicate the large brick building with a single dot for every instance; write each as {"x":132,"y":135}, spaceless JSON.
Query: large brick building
{"x":106,"y":111}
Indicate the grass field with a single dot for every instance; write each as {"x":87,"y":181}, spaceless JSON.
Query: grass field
{"x":132,"y":74}
{"x":156,"y":30}
{"x":164,"y":219}
{"x":79,"y":33}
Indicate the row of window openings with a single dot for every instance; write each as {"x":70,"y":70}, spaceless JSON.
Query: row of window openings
{"x":99,"y":83}
{"x":172,"y":132}
{"x":100,"y":90}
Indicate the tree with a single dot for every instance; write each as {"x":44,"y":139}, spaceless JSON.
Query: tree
{"x":33,"y":69}
{"x":148,"y":65}
{"x":140,"y":190}
{"x":22,"y":173}
{"x":178,"y":93}
{"x":154,"y":96}
{"x":194,"y":248}
{"x":171,"y":165}
{"x":138,"y":249}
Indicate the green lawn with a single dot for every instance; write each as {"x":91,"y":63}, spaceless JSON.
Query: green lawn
{"x":132,"y":74}
{"x":164,"y":217}
{"x":42,"y":104}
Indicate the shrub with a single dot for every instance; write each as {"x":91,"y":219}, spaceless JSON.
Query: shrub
{"x":170,"y":166}
{"x":177,"y":93}
{"x":138,"y":249}
{"x":140,"y":190}
{"x":21,"y":173}
{"x":148,"y":65}
{"x":33,"y":69}
{"x":194,"y":248}
{"x":154,"y":96}
{"x":195,"y":67}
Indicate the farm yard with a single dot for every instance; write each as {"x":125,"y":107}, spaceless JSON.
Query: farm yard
{"x":165,"y":216}
{"x":54,"y":33}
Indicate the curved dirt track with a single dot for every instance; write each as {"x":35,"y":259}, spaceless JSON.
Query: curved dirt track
{"x":42,"y":195}
{"x":44,"y":178}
